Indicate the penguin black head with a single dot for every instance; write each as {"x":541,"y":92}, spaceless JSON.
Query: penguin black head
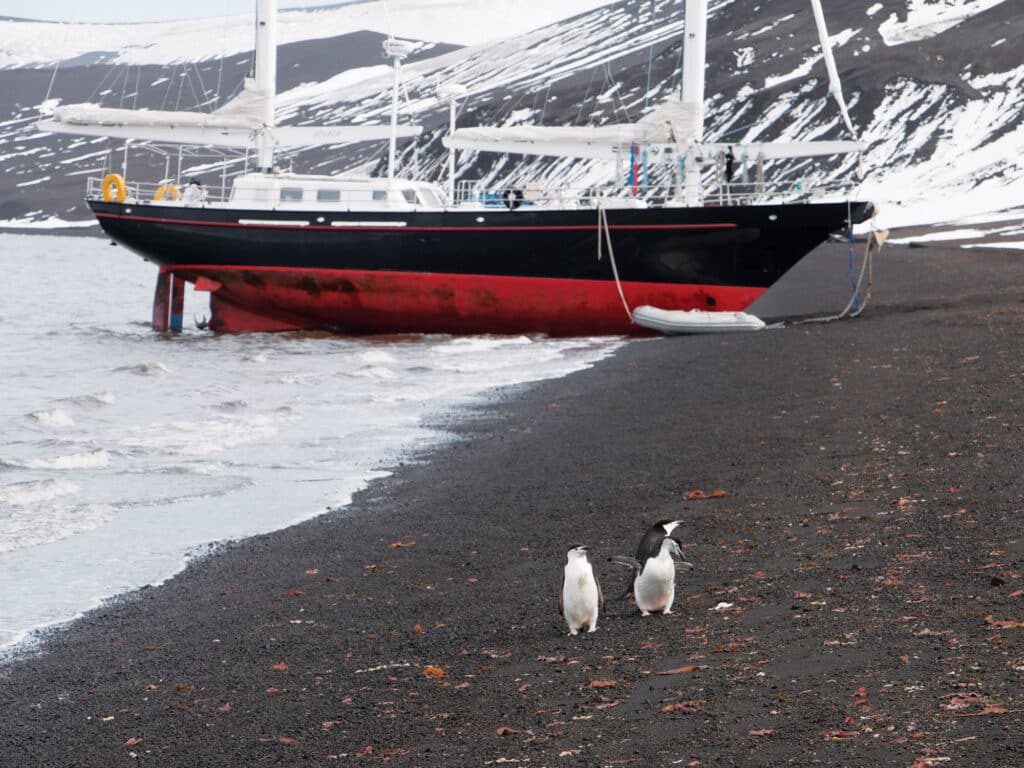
{"x":650,"y":544}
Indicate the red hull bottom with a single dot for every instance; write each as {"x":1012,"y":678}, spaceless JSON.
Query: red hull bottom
{"x":370,"y":302}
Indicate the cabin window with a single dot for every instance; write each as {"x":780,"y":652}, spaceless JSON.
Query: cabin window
{"x":380,"y":196}
{"x":328,"y":195}
{"x":410,"y":196}
{"x":291,"y":194}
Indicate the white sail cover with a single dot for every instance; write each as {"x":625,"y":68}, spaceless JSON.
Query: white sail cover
{"x":245,"y":112}
{"x":673,"y":122}
{"x":670,"y":130}
{"x":233,"y":125}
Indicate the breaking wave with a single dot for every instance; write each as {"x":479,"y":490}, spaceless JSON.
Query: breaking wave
{"x":52,"y":418}
{"x":93,"y":398}
{"x":88,"y":460}
{"x":32,"y":527}
{"x":35,"y":492}
{"x":144,"y":369}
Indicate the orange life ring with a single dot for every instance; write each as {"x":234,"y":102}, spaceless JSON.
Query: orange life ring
{"x":114,"y":189}
{"x":167,"y":192}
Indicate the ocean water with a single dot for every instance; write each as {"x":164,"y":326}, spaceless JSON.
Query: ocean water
{"x":124,"y":452}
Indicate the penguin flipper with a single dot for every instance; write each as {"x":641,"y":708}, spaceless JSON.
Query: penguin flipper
{"x":628,"y":562}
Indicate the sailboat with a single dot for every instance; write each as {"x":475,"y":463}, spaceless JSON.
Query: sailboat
{"x":286,"y":251}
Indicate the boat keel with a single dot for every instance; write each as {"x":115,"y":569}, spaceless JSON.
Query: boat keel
{"x":168,"y":302}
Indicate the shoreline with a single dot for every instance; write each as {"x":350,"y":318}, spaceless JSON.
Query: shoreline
{"x":869,"y":542}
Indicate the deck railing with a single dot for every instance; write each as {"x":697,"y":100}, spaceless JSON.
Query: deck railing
{"x":476,"y":193}
{"x":472,"y":194}
{"x":165,"y":191}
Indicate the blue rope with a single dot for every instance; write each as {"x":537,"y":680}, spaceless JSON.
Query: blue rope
{"x":853,"y":277}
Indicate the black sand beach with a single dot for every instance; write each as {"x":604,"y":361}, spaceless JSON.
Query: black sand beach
{"x":857,"y":598}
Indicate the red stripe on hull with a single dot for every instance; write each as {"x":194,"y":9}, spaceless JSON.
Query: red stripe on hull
{"x":367,"y":302}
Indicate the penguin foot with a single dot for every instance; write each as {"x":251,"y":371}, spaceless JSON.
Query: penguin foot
{"x":593,"y":628}
{"x":574,"y":632}
{"x":644,"y":613}
{"x":666,"y":612}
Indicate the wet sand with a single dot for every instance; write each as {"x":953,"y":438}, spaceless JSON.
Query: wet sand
{"x":857,"y":598}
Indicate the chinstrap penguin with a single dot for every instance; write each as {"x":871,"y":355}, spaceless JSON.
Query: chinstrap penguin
{"x":654,"y":577}
{"x":654,"y":587}
{"x":581,"y":600}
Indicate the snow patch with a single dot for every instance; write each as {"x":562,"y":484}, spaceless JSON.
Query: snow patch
{"x":928,"y":18}
{"x":31,"y":43}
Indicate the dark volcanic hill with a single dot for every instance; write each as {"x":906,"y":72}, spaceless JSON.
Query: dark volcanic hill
{"x":935,"y":88}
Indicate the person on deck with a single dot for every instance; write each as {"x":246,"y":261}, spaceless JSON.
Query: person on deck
{"x":195,"y":192}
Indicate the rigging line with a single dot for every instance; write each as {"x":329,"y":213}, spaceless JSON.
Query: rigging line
{"x":622,"y":103}
{"x":544,"y":104}
{"x":223,"y":54}
{"x":507,"y":111}
{"x":650,"y":61}
{"x":182,"y":76}
{"x":679,"y":67}
{"x":53,"y":79}
{"x":609,"y":82}
{"x":103,"y":82}
{"x":192,"y":87}
{"x":586,"y":96}
{"x":167,"y":90}
{"x":202,"y":85}
{"x":124,"y":84}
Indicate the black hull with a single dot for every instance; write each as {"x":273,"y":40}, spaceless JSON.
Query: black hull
{"x":480,"y":271}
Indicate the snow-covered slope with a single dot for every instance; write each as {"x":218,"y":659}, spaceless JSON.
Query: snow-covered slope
{"x":936,"y":88}
{"x":462,"y":22}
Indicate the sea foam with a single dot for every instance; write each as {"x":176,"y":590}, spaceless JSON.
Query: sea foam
{"x":144,"y":369}
{"x":86,"y":460}
{"x":34,"y":526}
{"x":35,"y":492}
{"x":52,"y":418}
{"x":93,"y":398}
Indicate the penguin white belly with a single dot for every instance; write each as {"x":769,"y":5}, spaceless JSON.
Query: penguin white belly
{"x":580,"y":597}
{"x":655,"y":587}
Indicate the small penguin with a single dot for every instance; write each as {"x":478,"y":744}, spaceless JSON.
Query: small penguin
{"x":581,"y":599}
{"x":654,"y":571}
{"x":654,"y":586}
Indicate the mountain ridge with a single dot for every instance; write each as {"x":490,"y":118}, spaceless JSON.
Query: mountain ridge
{"x":942,"y":113}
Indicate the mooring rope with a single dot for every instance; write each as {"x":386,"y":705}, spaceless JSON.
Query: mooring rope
{"x":857,"y":303}
{"x":604,"y":230}
{"x":872,"y":248}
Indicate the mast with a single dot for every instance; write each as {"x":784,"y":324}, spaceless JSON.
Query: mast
{"x":453,"y":92}
{"x":834,"y":86}
{"x":397,"y":50}
{"x":694,"y":59}
{"x":266,"y":80}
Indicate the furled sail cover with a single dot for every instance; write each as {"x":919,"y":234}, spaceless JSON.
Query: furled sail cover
{"x":245,"y":112}
{"x":673,"y":122}
{"x":233,"y":125}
